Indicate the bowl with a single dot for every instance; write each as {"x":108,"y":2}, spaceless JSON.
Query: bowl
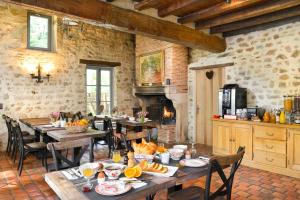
{"x":176,"y":154}
{"x":180,"y":146}
{"x":132,"y":119}
{"x":140,"y":157}
{"x":113,"y":171}
{"x":93,"y":166}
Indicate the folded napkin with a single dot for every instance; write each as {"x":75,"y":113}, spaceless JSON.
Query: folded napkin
{"x":68,"y":175}
{"x":135,"y":183}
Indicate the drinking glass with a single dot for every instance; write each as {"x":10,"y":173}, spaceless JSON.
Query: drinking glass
{"x":88,"y":174}
{"x":161,"y":147}
{"x":116,"y":157}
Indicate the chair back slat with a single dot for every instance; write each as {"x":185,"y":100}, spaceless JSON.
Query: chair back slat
{"x":216,"y":164}
{"x":17,"y":132}
{"x":56,"y":147}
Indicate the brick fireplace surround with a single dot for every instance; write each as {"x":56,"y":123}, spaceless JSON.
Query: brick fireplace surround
{"x":176,"y":69}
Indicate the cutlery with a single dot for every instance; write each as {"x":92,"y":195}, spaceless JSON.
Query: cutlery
{"x":72,"y":174}
{"x":76,"y":172}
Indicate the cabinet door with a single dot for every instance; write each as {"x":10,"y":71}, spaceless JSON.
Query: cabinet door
{"x":242,"y":136}
{"x":293,"y":149}
{"x":222,"y":138}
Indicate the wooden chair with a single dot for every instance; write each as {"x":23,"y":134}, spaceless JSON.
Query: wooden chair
{"x":215,"y":165}
{"x":63,"y":162}
{"x":26,"y":148}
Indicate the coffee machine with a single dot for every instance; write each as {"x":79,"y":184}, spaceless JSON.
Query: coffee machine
{"x":231,"y":98}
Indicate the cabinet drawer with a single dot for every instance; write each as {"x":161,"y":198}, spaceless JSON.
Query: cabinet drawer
{"x":269,"y":132}
{"x":274,"y":159}
{"x":274,"y":146}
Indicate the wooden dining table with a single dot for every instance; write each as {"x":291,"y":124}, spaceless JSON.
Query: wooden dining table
{"x":70,"y":190}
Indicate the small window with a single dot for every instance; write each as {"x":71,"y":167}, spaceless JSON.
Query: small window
{"x":39,"y":32}
{"x":99,"y":87}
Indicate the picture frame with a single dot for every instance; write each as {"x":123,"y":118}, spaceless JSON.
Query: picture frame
{"x":39,"y":31}
{"x":151,"y":69}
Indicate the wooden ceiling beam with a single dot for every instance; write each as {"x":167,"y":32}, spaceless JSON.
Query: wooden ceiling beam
{"x":271,"y":6}
{"x":262,"y":26}
{"x":185,"y":6}
{"x":287,"y":13}
{"x":218,"y":9}
{"x":146,"y":4}
{"x":130,"y":21}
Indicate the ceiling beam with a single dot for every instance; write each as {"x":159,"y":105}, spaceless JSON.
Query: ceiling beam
{"x":262,"y":9}
{"x":291,"y":12}
{"x":185,"y":6}
{"x":146,"y":4}
{"x":262,"y":26}
{"x":218,"y":9}
{"x":130,"y":21}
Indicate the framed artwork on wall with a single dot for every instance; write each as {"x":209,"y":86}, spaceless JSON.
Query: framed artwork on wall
{"x":151,"y":69}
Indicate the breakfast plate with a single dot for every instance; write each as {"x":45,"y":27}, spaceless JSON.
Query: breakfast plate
{"x":112,"y":188}
{"x":171,"y":171}
{"x":193,"y":162}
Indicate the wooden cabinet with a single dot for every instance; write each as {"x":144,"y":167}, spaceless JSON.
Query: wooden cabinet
{"x":242,"y":136}
{"x":270,"y":147}
{"x":221,"y":138}
{"x":294,"y":149}
{"x":227,"y":138}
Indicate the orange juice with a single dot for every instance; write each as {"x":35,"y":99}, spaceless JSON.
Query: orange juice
{"x":116,"y":156}
{"x":88,"y":172}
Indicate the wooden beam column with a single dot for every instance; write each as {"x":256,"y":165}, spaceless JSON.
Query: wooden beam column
{"x":130,"y":21}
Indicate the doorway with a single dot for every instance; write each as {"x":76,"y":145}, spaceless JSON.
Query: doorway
{"x":208,"y":83}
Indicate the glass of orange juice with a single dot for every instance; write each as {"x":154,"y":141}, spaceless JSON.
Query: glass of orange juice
{"x":88,"y":172}
{"x":161,"y":147}
{"x":116,"y":156}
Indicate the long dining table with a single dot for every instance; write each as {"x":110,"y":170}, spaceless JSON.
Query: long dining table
{"x":70,"y":190}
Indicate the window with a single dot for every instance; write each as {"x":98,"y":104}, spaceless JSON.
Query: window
{"x":99,"y":89}
{"x":39,"y":32}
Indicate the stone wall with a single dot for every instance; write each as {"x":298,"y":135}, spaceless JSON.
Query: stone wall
{"x":65,"y":91}
{"x":267,"y":63}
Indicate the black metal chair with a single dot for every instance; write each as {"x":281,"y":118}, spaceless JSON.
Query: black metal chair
{"x":63,"y":162}
{"x":215,"y":165}
{"x":26,"y":148}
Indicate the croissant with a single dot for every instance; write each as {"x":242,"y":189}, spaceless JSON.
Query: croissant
{"x":144,"y":147}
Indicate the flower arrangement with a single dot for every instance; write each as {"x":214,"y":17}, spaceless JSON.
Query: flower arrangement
{"x":54,"y":116}
{"x":142,"y":115}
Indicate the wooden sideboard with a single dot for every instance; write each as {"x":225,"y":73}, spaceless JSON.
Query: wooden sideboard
{"x":271,"y":147}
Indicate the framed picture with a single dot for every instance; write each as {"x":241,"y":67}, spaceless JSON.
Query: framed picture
{"x":39,"y":31}
{"x":151,"y":69}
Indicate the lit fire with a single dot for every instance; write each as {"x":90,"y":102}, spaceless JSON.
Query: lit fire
{"x":168,"y":114}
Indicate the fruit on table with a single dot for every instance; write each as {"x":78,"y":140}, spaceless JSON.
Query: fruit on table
{"x":82,"y":122}
{"x":153,"y":167}
{"x":148,"y":148}
{"x":133,"y":172}
{"x":130,"y":172}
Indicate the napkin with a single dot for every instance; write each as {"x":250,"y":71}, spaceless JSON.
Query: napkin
{"x":68,"y":176}
{"x":138,"y":184}
{"x":135,"y":183}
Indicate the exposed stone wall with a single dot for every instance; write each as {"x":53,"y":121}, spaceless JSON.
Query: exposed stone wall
{"x":65,"y":91}
{"x":267,"y":63}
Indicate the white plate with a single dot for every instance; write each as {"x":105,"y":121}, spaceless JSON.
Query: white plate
{"x":171,"y":171}
{"x":180,"y":146}
{"x":112,"y":188}
{"x":193,"y":163}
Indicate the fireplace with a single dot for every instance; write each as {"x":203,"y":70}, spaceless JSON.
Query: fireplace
{"x":161,"y":110}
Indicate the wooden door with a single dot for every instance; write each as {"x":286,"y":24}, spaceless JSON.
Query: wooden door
{"x":222,"y":144}
{"x":207,"y":102}
{"x":242,"y":136}
{"x":293,"y":149}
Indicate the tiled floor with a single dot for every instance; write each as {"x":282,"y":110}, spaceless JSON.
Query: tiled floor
{"x":249,"y":183}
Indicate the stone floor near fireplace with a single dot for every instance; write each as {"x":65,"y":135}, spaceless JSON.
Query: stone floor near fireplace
{"x":249,"y":183}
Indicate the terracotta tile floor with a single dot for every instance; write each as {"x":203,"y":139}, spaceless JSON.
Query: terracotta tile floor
{"x":249,"y":183}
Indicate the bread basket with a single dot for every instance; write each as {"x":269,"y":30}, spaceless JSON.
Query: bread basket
{"x":76,"y":129}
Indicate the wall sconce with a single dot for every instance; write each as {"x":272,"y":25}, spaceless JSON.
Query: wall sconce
{"x":39,"y":78}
